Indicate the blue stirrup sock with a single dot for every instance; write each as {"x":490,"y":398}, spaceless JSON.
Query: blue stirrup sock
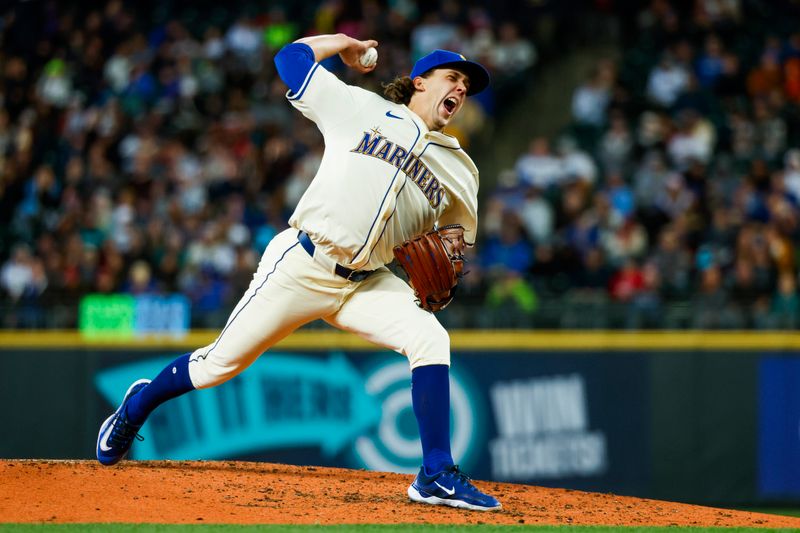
{"x":170,"y":383}
{"x":430,"y":398}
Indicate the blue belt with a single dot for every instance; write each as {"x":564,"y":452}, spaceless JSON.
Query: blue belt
{"x":347,"y":273}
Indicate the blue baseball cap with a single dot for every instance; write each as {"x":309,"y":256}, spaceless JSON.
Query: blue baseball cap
{"x":478,"y":76}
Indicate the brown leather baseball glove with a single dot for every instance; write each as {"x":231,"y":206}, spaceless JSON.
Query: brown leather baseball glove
{"x":434,"y":262}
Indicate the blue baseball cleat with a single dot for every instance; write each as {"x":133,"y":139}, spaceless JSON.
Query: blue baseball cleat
{"x":450,"y":487}
{"x":117,"y":434}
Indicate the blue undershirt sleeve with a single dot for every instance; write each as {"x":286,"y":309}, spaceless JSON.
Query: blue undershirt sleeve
{"x":293,"y":62}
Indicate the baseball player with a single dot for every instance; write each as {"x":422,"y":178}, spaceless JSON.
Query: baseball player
{"x":388,"y":174}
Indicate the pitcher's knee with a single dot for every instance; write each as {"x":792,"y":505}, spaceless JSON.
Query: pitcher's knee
{"x":428,"y":346}
{"x":207,"y":368}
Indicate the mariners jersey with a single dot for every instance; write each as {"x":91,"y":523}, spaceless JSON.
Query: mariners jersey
{"x":384,"y":177}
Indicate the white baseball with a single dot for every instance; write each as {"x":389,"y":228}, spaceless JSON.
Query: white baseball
{"x":368,"y":58}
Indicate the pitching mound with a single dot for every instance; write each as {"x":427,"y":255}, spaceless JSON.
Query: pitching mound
{"x":253,"y":493}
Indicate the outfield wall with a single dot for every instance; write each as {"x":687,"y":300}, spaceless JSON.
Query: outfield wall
{"x":703,"y":417}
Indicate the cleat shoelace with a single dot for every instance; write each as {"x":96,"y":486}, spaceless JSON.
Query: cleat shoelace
{"x":462,"y":477}
{"x":123,"y":432}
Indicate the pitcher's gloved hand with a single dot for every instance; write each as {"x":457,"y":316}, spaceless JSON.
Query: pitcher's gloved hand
{"x":434,"y":263}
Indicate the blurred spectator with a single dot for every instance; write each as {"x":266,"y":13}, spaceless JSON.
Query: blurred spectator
{"x":791,"y":176}
{"x":590,"y":100}
{"x":709,"y":65}
{"x":743,"y":136}
{"x":16,"y":275}
{"x":243,"y":39}
{"x":693,"y":140}
{"x":730,"y":83}
{"x":652,"y":130}
{"x":747,"y":294}
{"x":616,"y":146}
{"x":512,"y":54}
{"x":673,"y":261}
{"x":674,"y":199}
{"x":23,"y":279}
{"x":596,"y":274}
{"x":508,"y":251}
{"x":627,"y":282}
{"x":784,"y":312}
{"x":666,"y":82}
{"x":583,"y":231}
{"x":620,"y":198}
{"x":432,"y":33}
{"x":770,"y":131}
{"x":42,"y":195}
{"x":140,"y":279}
{"x":539,"y":167}
{"x":650,"y":178}
{"x":624,"y":240}
{"x":766,"y":77}
{"x":696,"y":98}
{"x":505,"y":258}
{"x":55,"y":85}
{"x":645,"y":307}
{"x":711,"y":308}
{"x":537,"y":216}
{"x":791,"y":75}
{"x":576,"y":164}
{"x":211,"y":253}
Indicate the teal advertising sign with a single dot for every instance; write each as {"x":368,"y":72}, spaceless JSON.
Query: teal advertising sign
{"x":280,"y":401}
{"x":356,"y":416}
{"x":393,"y":444}
{"x":548,"y":420}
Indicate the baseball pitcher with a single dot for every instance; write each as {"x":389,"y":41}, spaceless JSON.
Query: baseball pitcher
{"x":391,"y":185}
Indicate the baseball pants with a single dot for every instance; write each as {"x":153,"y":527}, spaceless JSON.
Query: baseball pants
{"x":290,"y":288}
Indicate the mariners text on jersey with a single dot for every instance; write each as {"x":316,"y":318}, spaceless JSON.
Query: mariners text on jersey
{"x":376,"y":145}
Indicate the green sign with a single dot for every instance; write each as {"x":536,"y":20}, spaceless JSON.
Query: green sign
{"x":107,"y":315}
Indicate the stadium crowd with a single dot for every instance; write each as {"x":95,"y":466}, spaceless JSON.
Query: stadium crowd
{"x":145,"y":151}
{"x":672,"y":199}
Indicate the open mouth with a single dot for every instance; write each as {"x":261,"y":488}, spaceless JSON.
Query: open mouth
{"x":450,"y":104}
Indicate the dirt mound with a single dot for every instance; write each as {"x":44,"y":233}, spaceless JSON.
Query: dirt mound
{"x":252,"y":493}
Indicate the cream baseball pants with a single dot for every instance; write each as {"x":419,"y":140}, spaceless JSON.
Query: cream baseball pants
{"x":291,"y":288}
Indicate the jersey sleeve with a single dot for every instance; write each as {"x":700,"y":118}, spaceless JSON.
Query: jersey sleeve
{"x":326,"y":99}
{"x":463,"y":209}
{"x":293,"y":62}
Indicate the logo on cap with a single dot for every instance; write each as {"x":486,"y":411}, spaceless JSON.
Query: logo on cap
{"x":478,"y":75}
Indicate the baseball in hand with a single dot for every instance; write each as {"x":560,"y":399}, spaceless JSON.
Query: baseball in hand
{"x":369,"y":58}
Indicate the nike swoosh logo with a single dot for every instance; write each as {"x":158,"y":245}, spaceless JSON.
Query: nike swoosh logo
{"x":104,"y":441}
{"x":449,"y":492}
{"x":390,"y":115}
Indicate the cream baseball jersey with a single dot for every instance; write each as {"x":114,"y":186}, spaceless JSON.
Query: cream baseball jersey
{"x":384,"y":177}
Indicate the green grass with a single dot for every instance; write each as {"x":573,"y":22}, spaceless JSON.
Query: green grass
{"x":161,"y":528}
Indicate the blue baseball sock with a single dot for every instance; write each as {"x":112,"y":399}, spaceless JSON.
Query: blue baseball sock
{"x":430,"y":397}
{"x":170,"y":383}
